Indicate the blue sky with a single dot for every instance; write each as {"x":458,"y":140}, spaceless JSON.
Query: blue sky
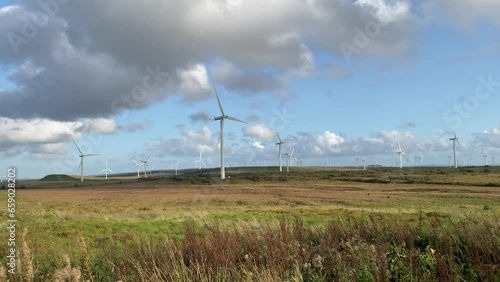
{"x":420,"y":77}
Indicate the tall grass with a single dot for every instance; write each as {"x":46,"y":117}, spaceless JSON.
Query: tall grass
{"x":369,"y":248}
{"x":359,"y":250}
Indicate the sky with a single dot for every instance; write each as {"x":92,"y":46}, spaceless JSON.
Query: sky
{"x":340,"y":80}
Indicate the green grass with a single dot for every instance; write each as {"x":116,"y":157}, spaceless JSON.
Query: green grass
{"x":59,"y":177}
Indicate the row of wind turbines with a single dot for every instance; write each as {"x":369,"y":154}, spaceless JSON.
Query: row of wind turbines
{"x":222,"y":118}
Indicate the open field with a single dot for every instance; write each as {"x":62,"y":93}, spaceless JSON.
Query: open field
{"x":100,"y":224}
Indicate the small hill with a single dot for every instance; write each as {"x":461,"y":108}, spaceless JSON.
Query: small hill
{"x":59,"y":177}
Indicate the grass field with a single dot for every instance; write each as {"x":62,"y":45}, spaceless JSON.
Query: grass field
{"x":314,"y":224}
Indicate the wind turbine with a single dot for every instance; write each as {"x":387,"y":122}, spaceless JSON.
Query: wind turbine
{"x":485,"y":157}
{"x":107,"y":169}
{"x":289,"y":156}
{"x":1,"y":178}
{"x":449,"y":161}
{"x":493,"y":160}
{"x":356,"y":160}
{"x":176,"y":166}
{"x":364,"y":163}
{"x":455,"y":141}
{"x":200,"y":162}
{"x":279,"y":149}
{"x":222,"y":118}
{"x":138,"y":167}
{"x":146,"y":166}
{"x":82,"y":155}
{"x":401,"y":153}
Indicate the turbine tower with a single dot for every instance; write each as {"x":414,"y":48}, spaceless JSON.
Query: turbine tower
{"x":364,"y":163}
{"x":106,"y":169}
{"x":455,"y":141}
{"x":400,"y":153}
{"x":138,"y":167}
{"x":280,"y":142}
{"x":289,"y":156}
{"x":222,"y":118}
{"x":82,"y":155}
{"x":485,"y":157}
{"x":199,"y":161}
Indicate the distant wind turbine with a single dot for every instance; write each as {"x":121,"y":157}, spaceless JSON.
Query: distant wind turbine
{"x":82,"y":155}
{"x":106,"y":169}
{"x":138,"y":168}
{"x":280,"y":142}
{"x":222,"y":118}
{"x":200,"y":161}
{"x":289,"y":156}
{"x":175,"y":166}
{"x":449,"y":161}
{"x":455,"y":141}
{"x":485,"y":157}
{"x":364,"y":163}
{"x":146,"y":166}
{"x":401,"y":153}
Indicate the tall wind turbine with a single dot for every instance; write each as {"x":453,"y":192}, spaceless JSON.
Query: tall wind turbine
{"x":280,"y":142}
{"x":82,"y":155}
{"x":200,"y":162}
{"x":455,"y":141}
{"x":222,"y":118}
{"x":400,"y":153}
{"x":288,"y":158}
{"x":107,"y":169}
{"x":138,"y":167}
{"x":146,"y":166}
{"x":364,"y":163}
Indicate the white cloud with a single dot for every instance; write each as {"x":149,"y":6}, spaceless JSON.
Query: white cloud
{"x":327,"y":142}
{"x":467,"y":13}
{"x":258,"y":146}
{"x":489,"y":138}
{"x":37,"y":130}
{"x":44,"y":136}
{"x":388,"y":12}
{"x":99,"y":125}
{"x":194,"y":83}
{"x":260,"y":131}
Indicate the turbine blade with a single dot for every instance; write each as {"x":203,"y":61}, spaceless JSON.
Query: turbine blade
{"x":136,"y":163}
{"x":78,"y":148}
{"x":217,"y":95}
{"x":203,"y":164}
{"x":236,"y":119}
{"x":277,"y":134}
{"x":89,"y":155}
{"x":399,"y":145}
{"x":148,"y":157}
